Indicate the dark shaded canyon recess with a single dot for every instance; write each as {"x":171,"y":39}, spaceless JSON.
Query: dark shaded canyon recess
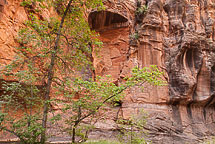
{"x":100,"y":20}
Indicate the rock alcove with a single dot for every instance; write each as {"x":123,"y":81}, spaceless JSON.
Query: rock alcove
{"x":2,"y":3}
{"x":103,"y":20}
{"x":114,"y":33}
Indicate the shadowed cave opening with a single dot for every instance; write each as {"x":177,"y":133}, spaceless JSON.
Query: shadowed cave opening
{"x":1,"y":8}
{"x":100,"y":20}
{"x":193,"y":59}
{"x":2,"y":3}
{"x":189,"y":62}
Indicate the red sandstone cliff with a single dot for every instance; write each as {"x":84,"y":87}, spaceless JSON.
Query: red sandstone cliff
{"x":176,"y":35}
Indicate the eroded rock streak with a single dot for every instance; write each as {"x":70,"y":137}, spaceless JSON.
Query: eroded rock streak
{"x":178,"y":36}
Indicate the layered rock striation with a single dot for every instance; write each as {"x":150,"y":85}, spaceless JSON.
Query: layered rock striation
{"x":176,"y":35}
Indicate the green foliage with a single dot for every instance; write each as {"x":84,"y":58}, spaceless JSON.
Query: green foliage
{"x":134,"y":36}
{"x":103,"y":142}
{"x":51,"y":58}
{"x":90,"y":97}
{"x":33,"y":5}
{"x":19,"y":101}
{"x":141,"y":10}
{"x":93,"y":95}
{"x":151,"y":75}
{"x":132,"y":130}
{"x":28,"y":129}
{"x":209,"y":141}
{"x":26,"y":3}
{"x":20,"y":95}
{"x":68,"y":43}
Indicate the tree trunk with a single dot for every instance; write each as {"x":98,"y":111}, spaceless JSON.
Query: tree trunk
{"x":73,"y":134}
{"x":51,"y":75}
{"x":74,"y":130}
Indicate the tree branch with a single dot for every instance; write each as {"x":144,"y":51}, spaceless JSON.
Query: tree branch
{"x":103,"y":103}
{"x":12,"y":132}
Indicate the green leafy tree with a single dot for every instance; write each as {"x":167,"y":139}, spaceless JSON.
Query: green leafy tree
{"x":50,"y":52}
{"x":21,"y":100}
{"x":132,"y":130}
{"x":94,"y":95}
{"x":54,"y":58}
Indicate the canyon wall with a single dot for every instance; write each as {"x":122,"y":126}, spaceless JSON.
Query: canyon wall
{"x":176,"y":35}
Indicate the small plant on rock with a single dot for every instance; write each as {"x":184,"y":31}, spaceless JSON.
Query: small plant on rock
{"x":132,"y":130}
{"x":141,"y":8}
{"x":134,"y":36}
